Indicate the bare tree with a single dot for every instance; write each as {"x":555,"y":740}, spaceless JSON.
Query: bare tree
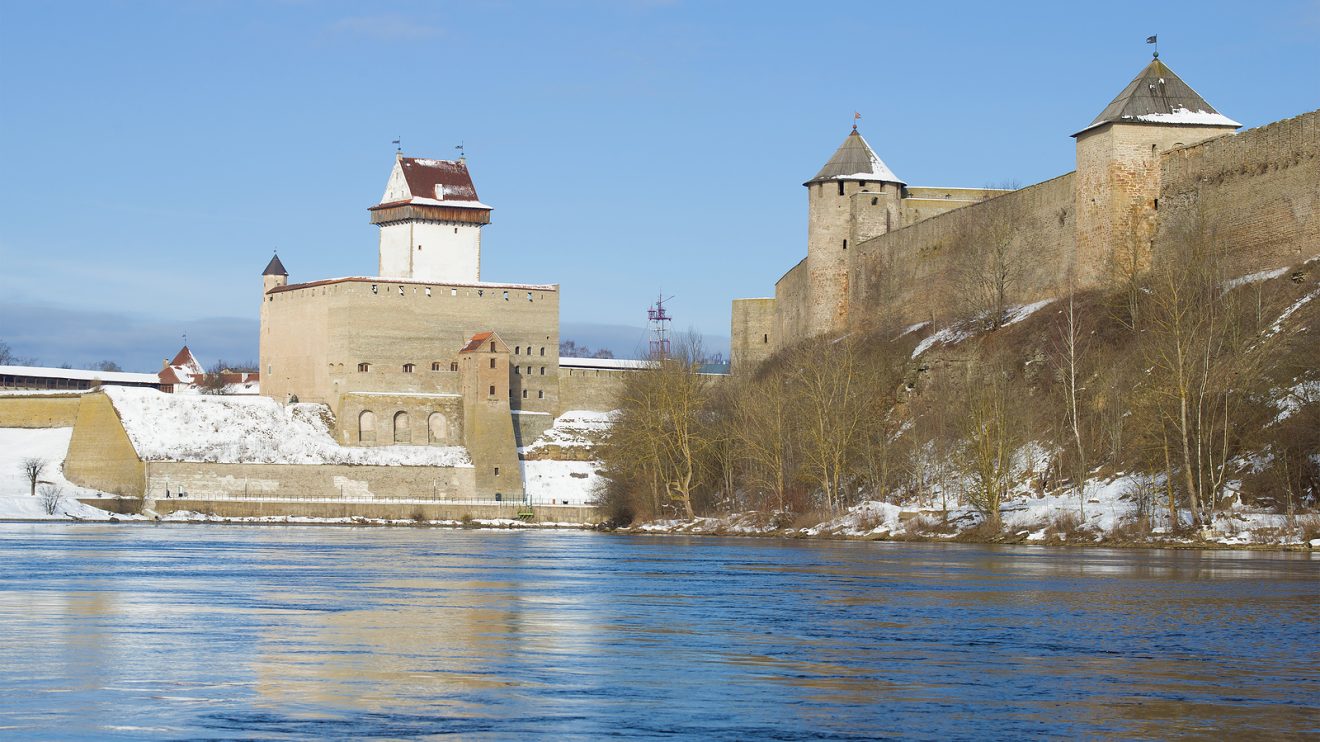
{"x":830,"y":411}
{"x":1068,"y":348}
{"x":991,"y":268}
{"x":52,"y":496}
{"x":763,"y":425}
{"x":988,"y":444}
{"x":32,"y":468}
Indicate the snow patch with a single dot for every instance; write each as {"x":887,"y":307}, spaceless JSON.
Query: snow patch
{"x":251,"y":430}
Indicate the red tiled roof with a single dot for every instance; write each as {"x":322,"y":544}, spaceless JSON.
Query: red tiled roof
{"x":476,"y":342}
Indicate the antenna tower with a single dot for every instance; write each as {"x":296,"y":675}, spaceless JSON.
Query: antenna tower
{"x":659,"y":322}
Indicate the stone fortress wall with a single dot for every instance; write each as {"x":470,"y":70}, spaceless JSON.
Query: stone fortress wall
{"x":1257,"y":191}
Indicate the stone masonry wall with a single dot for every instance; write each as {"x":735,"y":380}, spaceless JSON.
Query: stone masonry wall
{"x":39,"y":411}
{"x":1258,"y":192}
{"x":915,"y":274}
{"x":100,"y":454}
{"x":592,"y":389}
{"x":753,"y":335}
{"x":354,"y":483}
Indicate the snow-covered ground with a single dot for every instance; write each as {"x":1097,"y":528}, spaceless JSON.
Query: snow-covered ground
{"x":561,"y":482}
{"x":558,"y":466}
{"x":49,"y":445}
{"x":251,"y":430}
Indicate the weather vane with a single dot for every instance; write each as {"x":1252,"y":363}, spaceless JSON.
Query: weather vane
{"x":461,"y":153}
{"x":1156,"y":41}
{"x":856,"y":117}
{"x":398,"y":144}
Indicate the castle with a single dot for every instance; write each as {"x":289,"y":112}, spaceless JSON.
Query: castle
{"x":1156,"y":157}
{"x":426,"y":353}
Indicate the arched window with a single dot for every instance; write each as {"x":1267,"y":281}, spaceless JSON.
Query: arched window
{"x":517,"y":350}
{"x":435,"y":365}
{"x":364,"y":367}
{"x":408,"y":368}
{"x":402,"y":434}
{"x":367,"y":427}
{"x":542,"y":350}
{"x":437,"y":427}
{"x":453,"y":365}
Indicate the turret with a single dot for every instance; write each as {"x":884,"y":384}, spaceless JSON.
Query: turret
{"x":430,"y":222}
{"x":1118,"y":165}
{"x":853,"y":198}
{"x":274,"y":275}
{"x":485,"y":379}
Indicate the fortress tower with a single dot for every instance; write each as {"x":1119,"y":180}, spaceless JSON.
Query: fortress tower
{"x":853,"y":198}
{"x":430,"y":222}
{"x":1118,"y":166}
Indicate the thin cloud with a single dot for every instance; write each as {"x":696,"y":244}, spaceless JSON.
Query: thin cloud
{"x":385,"y":28}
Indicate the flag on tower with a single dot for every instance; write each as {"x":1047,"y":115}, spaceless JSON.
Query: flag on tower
{"x":1150,"y":39}
{"x":856,"y":116}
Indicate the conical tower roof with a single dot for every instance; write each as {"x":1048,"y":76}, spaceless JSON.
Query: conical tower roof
{"x":275,"y":268}
{"x":1158,"y":96}
{"x":855,"y":160}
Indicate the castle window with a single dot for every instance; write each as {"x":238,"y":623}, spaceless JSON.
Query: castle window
{"x":481,"y":292}
{"x":400,"y":291}
{"x":492,"y":363}
{"x":841,"y":188}
{"x":542,"y":350}
{"x":364,"y":367}
{"x":875,"y":201}
{"x":437,"y":428}
{"x":435,"y":365}
{"x":861,"y":184}
{"x":408,"y":368}
{"x":543,"y":370}
{"x":402,"y":434}
{"x":517,"y":369}
{"x":517,"y":349}
{"x":529,"y":370}
{"x":428,"y":290}
{"x":453,"y":366}
{"x":524,"y":394}
{"x":373,"y":288}
{"x":455,"y":230}
{"x":765,"y":338}
{"x":453,"y":292}
{"x":497,"y":471}
{"x":506,"y":296}
{"x":492,"y":390}
{"x":845,"y":244}
{"x":540,"y":394}
{"x":492,"y":347}
{"x":1157,"y":204}
{"x":529,"y":296}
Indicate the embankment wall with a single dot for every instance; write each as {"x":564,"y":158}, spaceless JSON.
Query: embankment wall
{"x":39,"y":410}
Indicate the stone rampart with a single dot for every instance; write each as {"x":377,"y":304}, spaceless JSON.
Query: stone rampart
{"x":321,"y":481}
{"x":595,"y":389}
{"x":922,"y":272}
{"x":1258,"y":192}
{"x":753,"y":334}
{"x":39,"y":410}
{"x":101,"y":456}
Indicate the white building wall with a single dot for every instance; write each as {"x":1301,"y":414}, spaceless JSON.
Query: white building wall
{"x":431,"y":251}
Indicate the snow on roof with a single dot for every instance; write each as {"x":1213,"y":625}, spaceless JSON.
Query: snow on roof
{"x":109,"y":377}
{"x":431,"y":182}
{"x":251,"y":430}
{"x":855,"y":160}
{"x":415,"y":282}
{"x":1158,"y":96}
{"x":568,"y":362}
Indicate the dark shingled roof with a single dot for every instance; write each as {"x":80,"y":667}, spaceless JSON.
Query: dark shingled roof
{"x":275,"y":268}
{"x":855,"y":160}
{"x":1157,"y":95}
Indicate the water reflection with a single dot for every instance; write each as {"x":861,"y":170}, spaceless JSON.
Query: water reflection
{"x":183,"y":631}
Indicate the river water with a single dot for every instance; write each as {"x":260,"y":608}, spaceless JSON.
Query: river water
{"x":183,"y":631}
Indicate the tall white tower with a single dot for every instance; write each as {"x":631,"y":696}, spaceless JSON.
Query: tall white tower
{"x":430,"y":222}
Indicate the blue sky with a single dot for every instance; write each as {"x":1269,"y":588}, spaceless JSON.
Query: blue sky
{"x":153,"y":154}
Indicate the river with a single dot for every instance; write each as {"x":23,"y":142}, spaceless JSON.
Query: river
{"x":188,"y":631}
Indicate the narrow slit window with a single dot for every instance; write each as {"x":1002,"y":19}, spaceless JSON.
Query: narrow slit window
{"x":492,"y":363}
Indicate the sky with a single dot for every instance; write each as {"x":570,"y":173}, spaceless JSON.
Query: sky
{"x":153,"y":155}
